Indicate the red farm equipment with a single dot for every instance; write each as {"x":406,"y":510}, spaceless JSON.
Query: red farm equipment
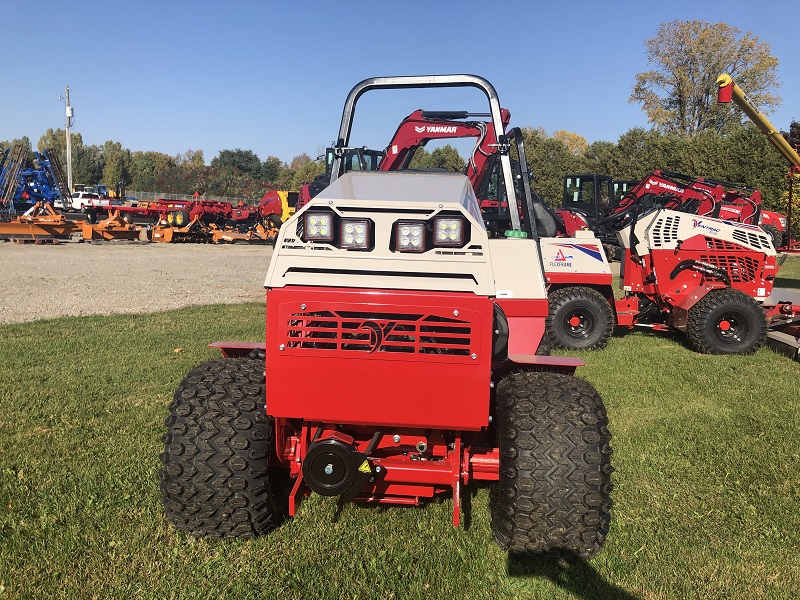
{"x":582,"y":309}
{"x":399,"y":364}
{"x":600,"y":203}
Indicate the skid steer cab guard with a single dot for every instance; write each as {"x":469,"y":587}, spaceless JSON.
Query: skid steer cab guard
{"x":403,"y":360}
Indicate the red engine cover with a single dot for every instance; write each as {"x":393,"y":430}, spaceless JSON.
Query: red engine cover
{"x":391,"y":358}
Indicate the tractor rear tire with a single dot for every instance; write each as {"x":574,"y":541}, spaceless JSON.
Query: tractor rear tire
{"x":775,"y":234}
{"x":554,"y":491}
{"x":726,"y":321}
{"x":216,"y":479}
{"x":579,"y":318}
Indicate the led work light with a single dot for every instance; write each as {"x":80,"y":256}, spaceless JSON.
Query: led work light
{"x":354,"y":234}
{"x":410,"y":236}
{"x":448,"y":231}
{"x":318,"y":227}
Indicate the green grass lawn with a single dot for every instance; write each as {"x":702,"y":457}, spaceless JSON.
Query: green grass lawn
{"x":707,"y":496}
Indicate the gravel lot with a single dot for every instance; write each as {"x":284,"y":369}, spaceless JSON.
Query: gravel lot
{"x":75,"y":278}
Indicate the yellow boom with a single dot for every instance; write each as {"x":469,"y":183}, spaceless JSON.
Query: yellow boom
{"x":728,"y":90}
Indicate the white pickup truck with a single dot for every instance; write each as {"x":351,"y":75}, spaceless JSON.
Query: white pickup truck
{"x":83,"y":201}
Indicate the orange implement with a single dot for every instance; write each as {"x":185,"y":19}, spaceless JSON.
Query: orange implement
{"x":40,"y":223}
{"x":112,"y":228}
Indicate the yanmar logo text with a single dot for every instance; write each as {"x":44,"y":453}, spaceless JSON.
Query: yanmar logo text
{"x":435,"y":129}
{"x":663,"y":185}
{"x":698,"y":224}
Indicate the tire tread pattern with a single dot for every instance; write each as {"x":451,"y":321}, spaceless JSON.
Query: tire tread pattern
{"x":702,"y":317}
{"x":586,"y":298}
{"x":215,"y":478}
{"x":553,"y":495}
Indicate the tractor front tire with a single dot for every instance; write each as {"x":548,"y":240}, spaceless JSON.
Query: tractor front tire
{"x":579,"y":318}
{"x":775,"y":235}
{"x":726,"y":321}
{"x":216,"y":478}
{"x":553,"y":495}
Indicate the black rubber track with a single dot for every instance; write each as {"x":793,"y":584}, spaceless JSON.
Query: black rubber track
{"x":590,"y":308}
{"x":215,"y":478}
{"x":747,"y":323}
{"x":553,"y":495}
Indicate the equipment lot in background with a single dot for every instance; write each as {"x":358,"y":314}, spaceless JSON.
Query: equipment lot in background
{"x":76,"y":279}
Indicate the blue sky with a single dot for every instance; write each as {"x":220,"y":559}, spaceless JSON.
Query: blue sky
{"x":272,"y":76}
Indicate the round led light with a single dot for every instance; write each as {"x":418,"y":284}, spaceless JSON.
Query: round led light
{"x":442,"y":224}
{"x":404,"y":241}
{"x":359,"y":229}
{"x":415,"y":241}
{"x":348,"y":228}
{"x":359,"y":240}
{"x":442,"y":235}
{"x":405,"y":230}
{"x":323,"y":231}
{"x":312,"y":220}
{"x":313,"y":231}
{"x":454,"y":236}
{"x":348,"y":239}
{"x":453,"y":225}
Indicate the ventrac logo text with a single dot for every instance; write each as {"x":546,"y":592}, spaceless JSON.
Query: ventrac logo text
{"x":696,"y":223}
{"x":435,"y":129}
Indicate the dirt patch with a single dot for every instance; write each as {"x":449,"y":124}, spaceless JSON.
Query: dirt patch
{"x":75,"y":279}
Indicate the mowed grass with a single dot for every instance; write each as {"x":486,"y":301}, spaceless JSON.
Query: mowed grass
{"x":707,"y":496}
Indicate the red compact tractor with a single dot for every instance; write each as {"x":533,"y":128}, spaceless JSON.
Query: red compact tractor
{"x":399,"y":364}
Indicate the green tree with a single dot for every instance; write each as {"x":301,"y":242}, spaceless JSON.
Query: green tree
{"x":271,"y":168}
{"x":146,"y":167}
{"x":549,"y":160}
{"x":191,"y":158}
{"x":445,"y":157}
{"x":679,"y":93}
{"x":245,"y":161}
{"x":116,"y":165}
{"x":87,"y":164}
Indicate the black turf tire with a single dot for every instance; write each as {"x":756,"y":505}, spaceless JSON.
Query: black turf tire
{"x":216,"y":479}
{"x":775,"y":234}
{"x":589,"y":308}
{"x":91,"y":216}
{"x":747,"y":325}
{"x":553,"y":496}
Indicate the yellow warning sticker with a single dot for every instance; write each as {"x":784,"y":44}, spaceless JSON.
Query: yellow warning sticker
{"x":364,"y":468}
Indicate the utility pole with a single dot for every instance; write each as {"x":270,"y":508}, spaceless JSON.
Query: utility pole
{"x":70,"y":119}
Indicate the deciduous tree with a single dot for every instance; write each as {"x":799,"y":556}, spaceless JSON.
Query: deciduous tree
{"x":679,"y":93}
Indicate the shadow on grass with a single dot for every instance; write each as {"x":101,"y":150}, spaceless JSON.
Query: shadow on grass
{"x":568,"y":572}
{"x":784,"y":282}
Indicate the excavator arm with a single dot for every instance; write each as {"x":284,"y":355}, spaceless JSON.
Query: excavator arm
{"x":421,"y":126}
